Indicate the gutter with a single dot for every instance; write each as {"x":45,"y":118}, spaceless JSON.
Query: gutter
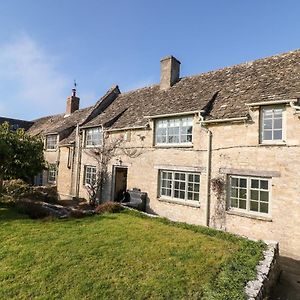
{"x":128,"y":128}
{"x":239,"y":119}
{"x":208,"y":169}
{"x":175,"y":114}
{"x":272,"y":102}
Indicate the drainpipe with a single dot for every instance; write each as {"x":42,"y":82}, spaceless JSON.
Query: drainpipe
{"x":208,"y":169}
{"x":78,"y":162}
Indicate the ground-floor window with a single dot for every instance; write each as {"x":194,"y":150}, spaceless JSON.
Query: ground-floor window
{"x":90,"y":175}
{"x":250,"y":194}
{"x":179,"y":185}
{"x":52,"y":172}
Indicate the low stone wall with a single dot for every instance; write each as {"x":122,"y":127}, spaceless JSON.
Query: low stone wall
{"x":267,"y":274}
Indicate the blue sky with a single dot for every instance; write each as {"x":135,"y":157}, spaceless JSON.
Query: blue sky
{"x":45,"y":44}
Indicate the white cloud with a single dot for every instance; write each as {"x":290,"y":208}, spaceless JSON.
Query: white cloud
{"x":33,"y":83}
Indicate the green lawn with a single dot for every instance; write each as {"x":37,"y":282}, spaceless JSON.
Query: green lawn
{"x":120,"y":256}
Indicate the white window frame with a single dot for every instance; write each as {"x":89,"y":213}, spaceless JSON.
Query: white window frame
{"x":51,"y":142}
{"x":93,"y":172}
{"x":185,"y":190}
{"x":248,"y":188}
{"x":90,"y":134}
{"x":262,"y":129}
{"x":166,"y":123}
{"x":52,"y":173}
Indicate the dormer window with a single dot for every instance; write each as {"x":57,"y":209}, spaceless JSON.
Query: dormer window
{"x":51,"y":142}
{"x":272,"y":125}
{"x":93,"y":137}
{"x":174,"y":131}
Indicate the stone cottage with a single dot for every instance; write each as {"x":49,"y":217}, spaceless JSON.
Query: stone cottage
{"x":218,"y":149}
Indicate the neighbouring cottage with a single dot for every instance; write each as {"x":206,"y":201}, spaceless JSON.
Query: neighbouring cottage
{"x":218,"y":149}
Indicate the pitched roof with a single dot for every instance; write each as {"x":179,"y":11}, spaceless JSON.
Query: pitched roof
{"x":59,"y":123}
{"x":222,"y":93}
{"x":16,"y":123}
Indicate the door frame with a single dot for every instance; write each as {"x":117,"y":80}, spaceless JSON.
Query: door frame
{"x":115,"y":167}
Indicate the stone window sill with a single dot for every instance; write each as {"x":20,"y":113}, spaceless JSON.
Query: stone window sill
{"x":249,"y":215}
{"x":180,"y":202}
{"x":272,"y":144}
{"x":173,"y":146}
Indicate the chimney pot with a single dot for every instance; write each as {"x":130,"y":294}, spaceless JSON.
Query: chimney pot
{"x":169,"y":72}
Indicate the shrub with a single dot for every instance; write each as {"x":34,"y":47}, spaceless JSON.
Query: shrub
{"x":19,"y":189}
{"x":16,"y":188}
{"x":44,"y":193}
{"x":109,"y":207}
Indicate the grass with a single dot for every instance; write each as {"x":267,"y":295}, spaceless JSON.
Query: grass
{"x":120,"y":256}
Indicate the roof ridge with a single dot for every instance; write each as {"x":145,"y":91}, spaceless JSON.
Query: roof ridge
{"x":243,"y":64}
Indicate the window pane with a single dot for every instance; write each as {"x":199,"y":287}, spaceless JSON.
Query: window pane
{"x":264,"y":196}
{"x":277,"y":123}
{"x":267,"y":135}
{"x":243,"y":193}
{"x":234,"y":192}
{"x":268,"y":124}
{"x":254,"y":183}
{"x":278,"y":113}
{"x":243,"y":182}
{"x":253,"y":205}
{"x":242,"y":204}
{"x":234,"y":202}
{"x":264,"y":207}
{"x":196,"y":187}
{"x":254,"y":195}
{"x":277,"y":135}
{"x":182,"y":195}
{"x":234,"y":181}
{"x":264,"y":184}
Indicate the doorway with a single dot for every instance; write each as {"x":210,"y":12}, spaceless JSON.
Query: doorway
{"x":120,"y":183}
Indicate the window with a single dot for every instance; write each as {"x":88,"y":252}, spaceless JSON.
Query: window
{"x":89,"y":175}
{"x":51,"y":142}
{"x":271,"y":125}
{"x":174,"y":131}
{"x":250,"y":194}
{"x":52,"y":173}
{"x":93,"y":137}
{"x":179,"y":185}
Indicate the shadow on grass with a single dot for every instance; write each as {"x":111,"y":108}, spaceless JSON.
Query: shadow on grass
{"x":8,"y":212}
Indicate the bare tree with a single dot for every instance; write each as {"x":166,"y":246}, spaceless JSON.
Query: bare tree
{"x":103,"y":155}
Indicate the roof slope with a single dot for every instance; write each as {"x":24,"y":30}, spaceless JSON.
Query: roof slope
{"x":223,"y":93}
{"x":60,"y":123}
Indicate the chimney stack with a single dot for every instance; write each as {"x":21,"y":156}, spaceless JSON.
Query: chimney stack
{"x":72,"y":103}
{"x":169,"y":72}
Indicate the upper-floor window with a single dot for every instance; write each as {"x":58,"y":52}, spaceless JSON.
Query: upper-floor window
{"x":51,"y":142}
{"x":52,"y":172}
{"x":93,"y":137}
{"x":271,"y":125}
{"x":249,"y":194}
{"x":174,"y":131}
{"x":179,"y":185}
